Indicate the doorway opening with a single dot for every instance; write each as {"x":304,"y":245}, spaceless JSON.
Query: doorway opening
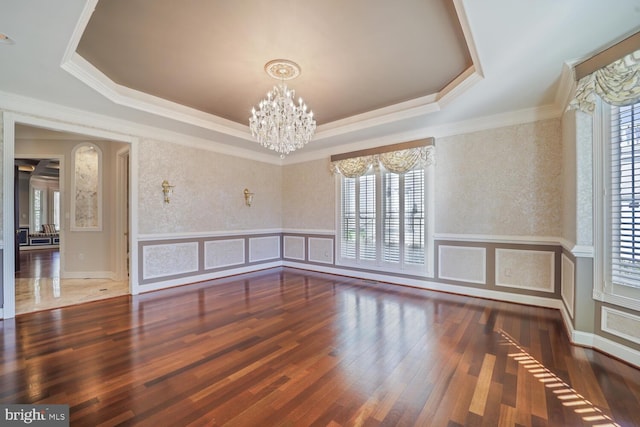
{"x":55,"y":262}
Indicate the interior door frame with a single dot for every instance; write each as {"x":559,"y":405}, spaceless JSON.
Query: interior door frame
{"x":9,"y":121}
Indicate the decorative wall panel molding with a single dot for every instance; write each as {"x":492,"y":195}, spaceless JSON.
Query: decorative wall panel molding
{"x":321,"y":250}
{"x":525,"y":269}
{"x":169,"y":259}
{"x":462,"y":263}
{"x":620,"y":323}
{"x":223,"y":253}
{"x":567,"y":283}
{"x":264,"y":248}
{"x":294,"y":247}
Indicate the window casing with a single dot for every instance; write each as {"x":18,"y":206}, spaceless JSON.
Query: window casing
{"x":618,"y":252}
{"x":382,"y":221}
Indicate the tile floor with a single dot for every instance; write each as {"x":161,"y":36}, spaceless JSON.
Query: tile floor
{"x":39,"y":286}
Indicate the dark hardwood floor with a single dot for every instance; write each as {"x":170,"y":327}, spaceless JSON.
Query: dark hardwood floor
{"x":290,"y":348}
{"x":39,"y":263}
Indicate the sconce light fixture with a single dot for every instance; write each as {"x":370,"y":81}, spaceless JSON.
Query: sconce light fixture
{"x":167,"y":190}
{"x":248,"y":197}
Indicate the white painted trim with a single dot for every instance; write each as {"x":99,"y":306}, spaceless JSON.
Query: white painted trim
{"x":468,"y":35}
{"x":618,"y":350}
{"x":9,"y":121}
{"x":430,"y":285}
{"x":209,"y":276}
{"x":568,"y":304}
{"x":65,"y":115}
{"x":204,"y":235}
{"x":582,"y":251}
{"x":486,"y":238}
{"x":604,"y":324}
{"x":89,"y":275}
{"x":134,"y":201}
{"x":8,"y":253}
{"x":308,"y":231}
{"x":122,"y":234}
{"x":84,"y":71}
{"x":511,"y":118}
{"x":566,"y":87}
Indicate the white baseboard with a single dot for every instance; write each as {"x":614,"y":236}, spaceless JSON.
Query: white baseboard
{"x":109,"y":275}
{"x":142,"y":288}
{"x":596,"y":342}
{"x":427,"y":284}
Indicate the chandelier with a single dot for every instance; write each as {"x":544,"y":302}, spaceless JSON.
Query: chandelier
{"x":279,"y":123}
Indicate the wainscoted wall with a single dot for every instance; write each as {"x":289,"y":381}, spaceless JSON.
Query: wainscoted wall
{"x":309,"y":249}
{"x":621,"y":326}
{"x":568,"y":283}
{"x":526,"y":268}
{"x":167,"y":262}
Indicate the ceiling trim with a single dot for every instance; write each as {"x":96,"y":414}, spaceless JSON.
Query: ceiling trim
{"x":84,"y":71}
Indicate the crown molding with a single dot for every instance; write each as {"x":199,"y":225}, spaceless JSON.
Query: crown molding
{"x":566,"y":87}
{"x":76,"y":121}
{"x":495,"y":121}
{"x":84,"y":71}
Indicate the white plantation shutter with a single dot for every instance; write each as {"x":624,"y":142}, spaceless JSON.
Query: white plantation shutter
{"x":348,"y":219}
{"x":414,"y":217}
{"x":382,"y":222}
{"x":391,"y":221}
{"x":625,"y":195}
{"x":367,"y":217}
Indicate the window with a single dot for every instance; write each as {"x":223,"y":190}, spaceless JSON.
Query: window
{"x":55,"y":209}
{"x":44,"y":203}
{"x":37,"y":209}
{"x":382,"y":220}
{"x":620,"y":221}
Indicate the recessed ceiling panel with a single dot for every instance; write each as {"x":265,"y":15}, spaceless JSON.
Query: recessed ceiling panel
{"x":355,"y":56}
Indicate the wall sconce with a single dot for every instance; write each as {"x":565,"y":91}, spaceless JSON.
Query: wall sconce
{"x":248,"y":197}
{"x":167,"y":190}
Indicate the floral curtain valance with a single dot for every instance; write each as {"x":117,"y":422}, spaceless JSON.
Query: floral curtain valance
{"x":399,"y":161}
{"x":617,"y":84}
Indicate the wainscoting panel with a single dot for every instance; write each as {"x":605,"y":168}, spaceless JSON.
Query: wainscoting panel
{"x":264,"y":248}
{"x":462,"y":263}
{"x":223,"y":253}
{"x":525,"y":269}
{"x":321,"y":250}
{"x":169,"y":259}
{"x":294,"y":247}
{"x":567,"y":283}
{"x":621,"y":324}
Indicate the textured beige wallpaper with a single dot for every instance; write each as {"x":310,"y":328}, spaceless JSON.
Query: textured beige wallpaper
{"x":208,"y":194}
{"x":569,"y":164}
{"x":308,"y":198}
{"x":504,"y":181}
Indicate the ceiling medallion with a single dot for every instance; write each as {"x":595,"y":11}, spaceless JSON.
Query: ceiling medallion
{"x":278,"y":123}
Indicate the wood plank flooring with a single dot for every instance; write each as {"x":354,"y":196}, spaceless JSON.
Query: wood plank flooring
{"x":286,"y":347}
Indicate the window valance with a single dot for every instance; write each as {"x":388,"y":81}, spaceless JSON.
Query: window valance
{"x":617,"y":84}
{"x":397,"y":158}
